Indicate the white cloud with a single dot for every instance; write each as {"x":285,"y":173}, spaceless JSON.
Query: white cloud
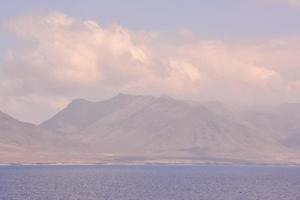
{"x":61,"y":57}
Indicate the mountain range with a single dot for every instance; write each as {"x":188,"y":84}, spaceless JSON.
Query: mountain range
{"x":147,"y":129}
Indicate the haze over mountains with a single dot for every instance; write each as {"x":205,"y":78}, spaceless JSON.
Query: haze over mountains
{"x":130,"y":128}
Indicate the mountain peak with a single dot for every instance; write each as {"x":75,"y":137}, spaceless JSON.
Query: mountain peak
{"x":166,"y":97}
{"x":122,"y":96}
{"x":79,"y":100}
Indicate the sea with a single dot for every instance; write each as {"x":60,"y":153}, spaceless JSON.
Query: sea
{"x":150,"y":182}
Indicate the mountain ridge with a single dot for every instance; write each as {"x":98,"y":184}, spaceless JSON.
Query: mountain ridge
{"x":164,"y":129}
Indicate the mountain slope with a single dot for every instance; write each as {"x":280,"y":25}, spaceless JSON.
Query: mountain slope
{"x":80,"y":113}
{"x":283,"y":122}
{"x":25,"y":142}
{"x":171,"y":128}
{"x":19,"y":133}
{"x":144,"y":126}
{"x":129,"y":128}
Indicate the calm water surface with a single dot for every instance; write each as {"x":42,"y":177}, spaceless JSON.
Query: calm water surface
{"x":149,"y":183}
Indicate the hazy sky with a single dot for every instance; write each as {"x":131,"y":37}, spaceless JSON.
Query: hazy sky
{"x":51,"y":51}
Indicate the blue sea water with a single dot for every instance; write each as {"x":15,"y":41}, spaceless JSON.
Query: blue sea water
{"x":149,"y":183}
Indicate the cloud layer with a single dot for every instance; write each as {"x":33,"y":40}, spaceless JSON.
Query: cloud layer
{"x":292,"y":3}
{"x":59,"y":57}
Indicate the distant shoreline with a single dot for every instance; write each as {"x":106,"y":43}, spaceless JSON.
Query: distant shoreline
{"x":148,"y":164}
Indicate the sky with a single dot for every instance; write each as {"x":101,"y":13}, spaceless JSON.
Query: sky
{"x":239,"y":52}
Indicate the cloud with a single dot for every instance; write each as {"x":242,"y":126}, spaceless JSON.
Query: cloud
{"x":59,"y":57}
{"x":292,"y":3}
